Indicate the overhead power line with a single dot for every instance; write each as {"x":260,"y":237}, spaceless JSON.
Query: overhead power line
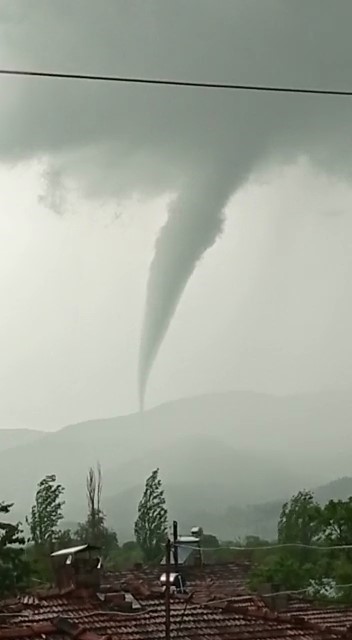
{"x":175,"y":83}
{"x":288,"y":545}
{"x":287,"y":592}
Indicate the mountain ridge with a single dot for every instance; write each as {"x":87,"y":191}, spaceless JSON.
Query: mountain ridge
{"x":10,"y":438}
{"x":260,"y":436}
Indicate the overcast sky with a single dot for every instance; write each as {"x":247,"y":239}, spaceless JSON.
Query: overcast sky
{"x":86,"y":180}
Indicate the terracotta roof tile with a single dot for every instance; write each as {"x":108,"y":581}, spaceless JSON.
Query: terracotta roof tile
{"x":215,"y":609}
{"x":215,"y":623}
{"x":210,"y":580}
{"x":58,"y":629}
{"x":229,"y":577}
{"x":89,"y":620}
{"x":328,"y":616}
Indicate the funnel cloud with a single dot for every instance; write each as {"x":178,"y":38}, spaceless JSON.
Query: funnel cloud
{"x":194,"y":222}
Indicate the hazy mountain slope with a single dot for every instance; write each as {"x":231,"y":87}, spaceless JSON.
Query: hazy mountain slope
{"x":14,"y":437}
{"x":262,"y":444}
{"x":200,"y":476}
{"x":339,"y":489}
{"x":262,"y":519}
{"x":202,"y":504}
{"x":235,"y":475}
{"x":194,"y":505}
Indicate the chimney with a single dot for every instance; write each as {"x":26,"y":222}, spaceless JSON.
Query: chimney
{"x":64,"y":576}
{"x":78,"y":567}
{"x":273,"y":596}
{"x":280,"y":601}
{"x":197,"y":534}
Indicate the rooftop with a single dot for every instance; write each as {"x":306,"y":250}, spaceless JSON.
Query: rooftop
{"x":226,"y":578}
{"x":64,"y":616}
{"x":335,"y":617}
{"x":130,"y":606}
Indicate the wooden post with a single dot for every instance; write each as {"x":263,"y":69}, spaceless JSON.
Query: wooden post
{"x":167,"y":591}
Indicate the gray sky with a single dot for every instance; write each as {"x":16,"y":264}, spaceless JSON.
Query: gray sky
{"x":88,"y":173}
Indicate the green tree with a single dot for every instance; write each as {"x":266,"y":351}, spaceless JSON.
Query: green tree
{"x":300,"y":520}
{"x":208,"y":540}
{"x":337,"y":521}
{"x":255,"y":541}
{"x":14,"y":569}
{"x":300,"y":523}
{"x":151,"y":525}
{"x":65,"y":539}
{"x":46,"y":514}
{"x":337,"y":525}
{"x":127,"y":556}
{"x":284,"y":571}
{"x":94,"y":529}
{"x":104,"y":537}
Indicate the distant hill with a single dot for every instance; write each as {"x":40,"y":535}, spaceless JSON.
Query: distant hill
{"x":339,"y":489}
{"x":262,"y":519}
{"x":236,"y":448}
{"x":14,"y":437}
{"x":195,"y":505}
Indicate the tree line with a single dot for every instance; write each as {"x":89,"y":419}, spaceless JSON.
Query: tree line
{"x":24,"y":560}
{"x":316,"y":565}
{"x":323,"y":562}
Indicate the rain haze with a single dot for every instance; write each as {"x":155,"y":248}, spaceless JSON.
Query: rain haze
{"x":164,"y":243}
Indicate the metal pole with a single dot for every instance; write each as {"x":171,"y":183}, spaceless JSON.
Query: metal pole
{"x":167,"y":591}
{"x":175,"y":547}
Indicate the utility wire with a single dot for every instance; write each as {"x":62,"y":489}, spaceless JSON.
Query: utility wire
{"x":287,"y":545}
{"x":175,"y":83}
{"x":267,"y":595}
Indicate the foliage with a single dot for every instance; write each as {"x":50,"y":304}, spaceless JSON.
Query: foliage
{"x":65,"y":539}
{"x":126,"y":556}
{"x":46,"y":513}
{"x":255,"y":541}
{"x":95,"y":520}
{"x":337,"y":521}
{"x":14,"y":569}
{"x":300,"y":520}
{"x":103,"y":537}
{"x":94,"y":529}
{"x":151,"y":524}
{"x":208,"y":540}
{"x":304,"y":522}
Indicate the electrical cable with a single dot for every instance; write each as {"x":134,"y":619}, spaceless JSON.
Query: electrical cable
{"x":176,"y":83}
{"x":287,"y":545}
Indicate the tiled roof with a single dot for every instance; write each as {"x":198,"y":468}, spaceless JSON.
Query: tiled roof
{"x":44,"y":607}
{"x":54,"y":616}
{"x":235,"y":572}
{"x":197,"y":622}
{"x":331,"y":617}
{"x":213,"y":609}
{"x":59,"y":629}
{"x":225,"y":578}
